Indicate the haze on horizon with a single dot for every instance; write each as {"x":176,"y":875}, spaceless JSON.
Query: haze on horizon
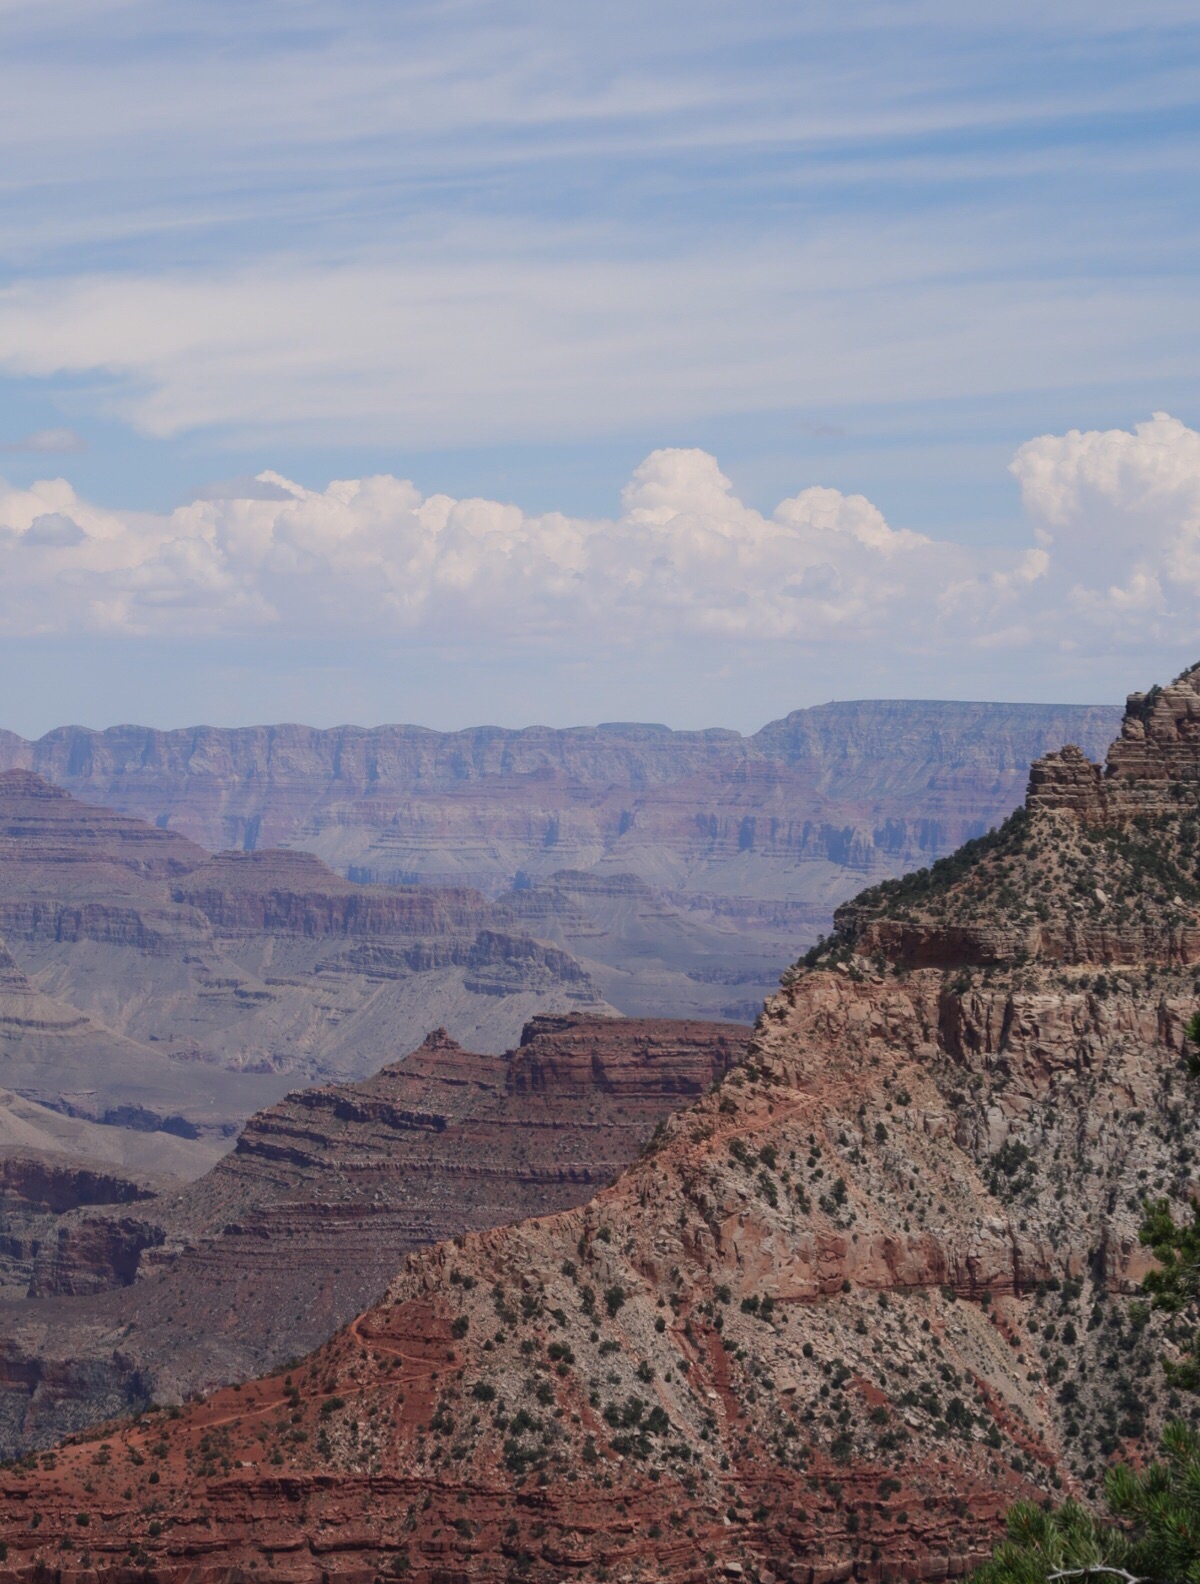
{"x":418,"y":362}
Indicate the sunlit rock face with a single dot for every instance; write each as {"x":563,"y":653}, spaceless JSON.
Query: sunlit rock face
{"x":304,"y":1223}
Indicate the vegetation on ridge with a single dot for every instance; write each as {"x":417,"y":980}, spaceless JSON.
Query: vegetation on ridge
{"x":1151,"y":1531}
{"x":1040,"y":868}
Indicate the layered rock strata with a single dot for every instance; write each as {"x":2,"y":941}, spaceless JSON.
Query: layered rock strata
{"x":742,"y":846}
{"x":306,"y":1221}
{"x":147,"y":984}
{"x":847,"y":1307}
{"x":839,"y":781}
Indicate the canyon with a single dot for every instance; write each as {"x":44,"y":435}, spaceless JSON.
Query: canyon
{"x":684,"y":869}
{"x":152,"y":987}
{"x":844,"y":1308}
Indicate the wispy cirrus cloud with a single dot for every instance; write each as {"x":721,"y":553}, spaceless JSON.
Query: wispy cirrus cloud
{"x":446,"y":351}
{"x":47,"y":442}
{"x":447,"y":225}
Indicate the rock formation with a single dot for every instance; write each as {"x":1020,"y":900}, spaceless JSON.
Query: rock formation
{"x":741,"y":846}
{"x":304,"y":1223}
{"x":848,"y":1306}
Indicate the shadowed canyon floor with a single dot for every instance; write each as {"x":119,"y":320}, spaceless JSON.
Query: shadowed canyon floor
{"x":848,"y":1305}
{"x":684,"y":869}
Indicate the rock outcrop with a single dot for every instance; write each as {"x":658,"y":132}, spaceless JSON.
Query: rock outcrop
{"x":1159,"y":746}
{"x":1101,"y":866}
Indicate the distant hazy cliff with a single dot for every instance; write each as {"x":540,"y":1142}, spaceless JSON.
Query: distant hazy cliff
{"x":875,"y":786}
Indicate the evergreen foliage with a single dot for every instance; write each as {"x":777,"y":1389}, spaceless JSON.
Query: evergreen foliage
{"x":1153,"y":1533}
{"x":1039,"y":1543}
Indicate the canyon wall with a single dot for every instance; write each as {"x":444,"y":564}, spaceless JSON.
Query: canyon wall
{"x":854,"y":785}
{"x":148,"y":985}
{"x":303,"y":1224}
{"x":844,"y":1310}
{"x":684,"y":869}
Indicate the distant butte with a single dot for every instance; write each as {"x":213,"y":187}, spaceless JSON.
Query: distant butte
{"x":149,"y":984}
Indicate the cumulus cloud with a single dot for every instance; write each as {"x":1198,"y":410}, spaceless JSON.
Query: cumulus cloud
{"x":1112,"y":554}
{"x":1118,"y":513}
{"x":685,"y":557}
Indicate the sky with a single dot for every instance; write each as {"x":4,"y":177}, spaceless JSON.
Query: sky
{"x":464,"y":362}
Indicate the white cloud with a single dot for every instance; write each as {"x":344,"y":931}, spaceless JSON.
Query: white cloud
{"x":1119,"y":513}
{"x":441,"y":345}
{"x":455,"y":225}
{"x":684,"y":558}
{"x":1114,"y":559}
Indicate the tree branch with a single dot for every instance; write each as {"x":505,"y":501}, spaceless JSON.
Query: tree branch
{"x":1099,"y":1567}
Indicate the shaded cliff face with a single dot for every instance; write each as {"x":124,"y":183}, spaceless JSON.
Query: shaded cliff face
{"x":147,"y":984}
{"x":43,"y":832}
{"x":307,"y":1220}
{"x":849,"y":1305}
{"x":743,"y":845}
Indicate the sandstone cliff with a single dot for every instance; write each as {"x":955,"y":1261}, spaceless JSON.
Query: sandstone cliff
{"x":847,"y":1307}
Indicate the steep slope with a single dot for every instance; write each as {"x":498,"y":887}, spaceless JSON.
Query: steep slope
{"x":846,"y":1308}
{"x":305,"y":1222}
{"x":744,"y":845}
{"x":144,"y":982}
{"x":55,"y":1055}
{"x":36,"y":1192}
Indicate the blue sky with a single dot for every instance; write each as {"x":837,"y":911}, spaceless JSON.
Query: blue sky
{"x":513,"y":252}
